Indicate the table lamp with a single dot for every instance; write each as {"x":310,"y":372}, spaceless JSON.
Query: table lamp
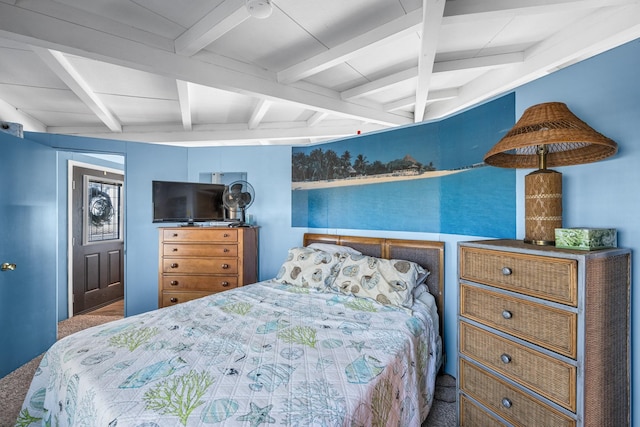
{"x":547,"y":135}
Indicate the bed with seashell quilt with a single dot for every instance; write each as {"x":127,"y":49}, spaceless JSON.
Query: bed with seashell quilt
{"x":346,"y":334}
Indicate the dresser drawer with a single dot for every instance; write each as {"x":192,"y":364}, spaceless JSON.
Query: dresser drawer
{"x":199,"y":283}
{"x":546,"y":326}
{"x":552,"y":378}
{"x":507,"y":401}
{"x":473,"y":416}
{"x":554,"y":279}
{"x":202,"y":250}
{"x":173,"y":298}
{"x":200,"y":265}
{"x":200,"y":235}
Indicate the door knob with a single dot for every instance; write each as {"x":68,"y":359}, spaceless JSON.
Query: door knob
{"x":7,"y":266}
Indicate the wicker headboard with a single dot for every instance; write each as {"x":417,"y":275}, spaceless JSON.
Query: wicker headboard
{"x":429,"y":254}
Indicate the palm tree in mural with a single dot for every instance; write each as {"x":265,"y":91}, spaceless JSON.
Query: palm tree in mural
{"x":360,"y":164}
{"x":300,"y":167}
{"x":316,"y":162}
{"x":331,"y":164}
{"x":345,"y":164}
{"x":377,"y":168}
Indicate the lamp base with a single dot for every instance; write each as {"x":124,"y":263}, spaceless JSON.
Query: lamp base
{"x":543,"y":206}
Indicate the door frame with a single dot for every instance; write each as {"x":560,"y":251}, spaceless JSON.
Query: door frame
{"x":70,"y":165}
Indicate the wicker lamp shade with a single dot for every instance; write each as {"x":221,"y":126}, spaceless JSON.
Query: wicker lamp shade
{"x":569,"y":140}
{"x":551,"y":135}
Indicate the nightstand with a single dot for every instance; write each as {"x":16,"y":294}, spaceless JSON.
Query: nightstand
{"x":543,"y":335}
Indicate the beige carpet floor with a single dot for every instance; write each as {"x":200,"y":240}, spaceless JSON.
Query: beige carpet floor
{"x":14,"y":386}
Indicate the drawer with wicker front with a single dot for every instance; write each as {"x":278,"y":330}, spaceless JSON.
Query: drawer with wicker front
{"x":553,"y":279}
{"x":545,"y":326}
{"x":473,"y":416}
{"x":195,"y":282}
{"x":507,"y":401}
{"x":202,"y":249}
{"x":549,"y":377}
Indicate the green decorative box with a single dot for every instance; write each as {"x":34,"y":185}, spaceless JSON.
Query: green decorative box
{"x":586,"y":238}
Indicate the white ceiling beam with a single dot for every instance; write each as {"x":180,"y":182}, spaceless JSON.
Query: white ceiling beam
{"x":380,"y":84}
{"x":220,"y":133}
{"x":434,"y":95}
{"x":45,"y":31}
{"x":225,"y":17}
{"x":473,"y":10}
{"x":432,"y":13}
{"x":63,"y":12}
{"x":259,"y":112}
{"x":439,"y":95}
{"x":400,"y":104}
{"x":594,"y":34}
{"x":60,"y":65}
{"x":185,"y":104}
{"x":385,"y":82}
{"x":9,"y":113}
{"x":489,"y":61}
{"x":459,"y":10}
{"x":316,"y":118}
{"x":379,"y":36}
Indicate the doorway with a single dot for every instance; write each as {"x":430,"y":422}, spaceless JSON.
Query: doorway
{"x":96,"y":203}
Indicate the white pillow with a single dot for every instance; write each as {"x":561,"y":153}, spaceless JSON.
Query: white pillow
{"x":419,"y":290}
{"x":332,"y":248}
{"x":388,"y":281}
{"x":309,"y":268}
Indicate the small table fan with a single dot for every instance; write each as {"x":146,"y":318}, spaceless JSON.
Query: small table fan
{"x":237,"y":197}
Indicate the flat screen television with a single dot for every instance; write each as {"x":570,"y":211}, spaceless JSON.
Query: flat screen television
{"x":188,"y":202}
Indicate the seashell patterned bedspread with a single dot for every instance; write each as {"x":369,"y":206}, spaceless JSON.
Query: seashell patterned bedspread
{"x":262,"y":354}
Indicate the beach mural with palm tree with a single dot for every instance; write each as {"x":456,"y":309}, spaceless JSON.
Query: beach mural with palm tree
{"x":427,"y":177}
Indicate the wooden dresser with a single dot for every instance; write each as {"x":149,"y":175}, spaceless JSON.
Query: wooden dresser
{"x":198,"y":261}
{"x":543,"y":336}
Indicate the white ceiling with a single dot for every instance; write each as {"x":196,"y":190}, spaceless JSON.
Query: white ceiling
{"x":207,"y":73}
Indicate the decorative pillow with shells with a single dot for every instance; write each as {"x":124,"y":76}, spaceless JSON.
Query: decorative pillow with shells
{"x":309,"y":268}
{"x":387,"y":281}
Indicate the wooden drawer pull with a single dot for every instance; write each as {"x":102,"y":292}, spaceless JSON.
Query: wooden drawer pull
{"x":174,"y":299}
{"x":506,"y":402}
{"x":225,"y":235}
{"x":175,"y":234}
{"x":507,"y":314}
{"x":505,"y":358}
{"x":506,"y":271}
{"x":174,"y":265}
{"x":175,"y":249}
{"x":226,"y":250}
{"x":174,"y":283}
{"x":225,"y":284}
{"x":225,"y":266}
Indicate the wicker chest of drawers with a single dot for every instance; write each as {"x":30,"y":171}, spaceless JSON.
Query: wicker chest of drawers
{"x":543,"y":335}
{"x":198,"y":261}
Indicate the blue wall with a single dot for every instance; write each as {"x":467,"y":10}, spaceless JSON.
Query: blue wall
{"x":143,"y":164}
{"x":603,"y":91}
{"x":269,"y":172}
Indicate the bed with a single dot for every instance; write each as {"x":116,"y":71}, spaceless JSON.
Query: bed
{"x":321,"y":344}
